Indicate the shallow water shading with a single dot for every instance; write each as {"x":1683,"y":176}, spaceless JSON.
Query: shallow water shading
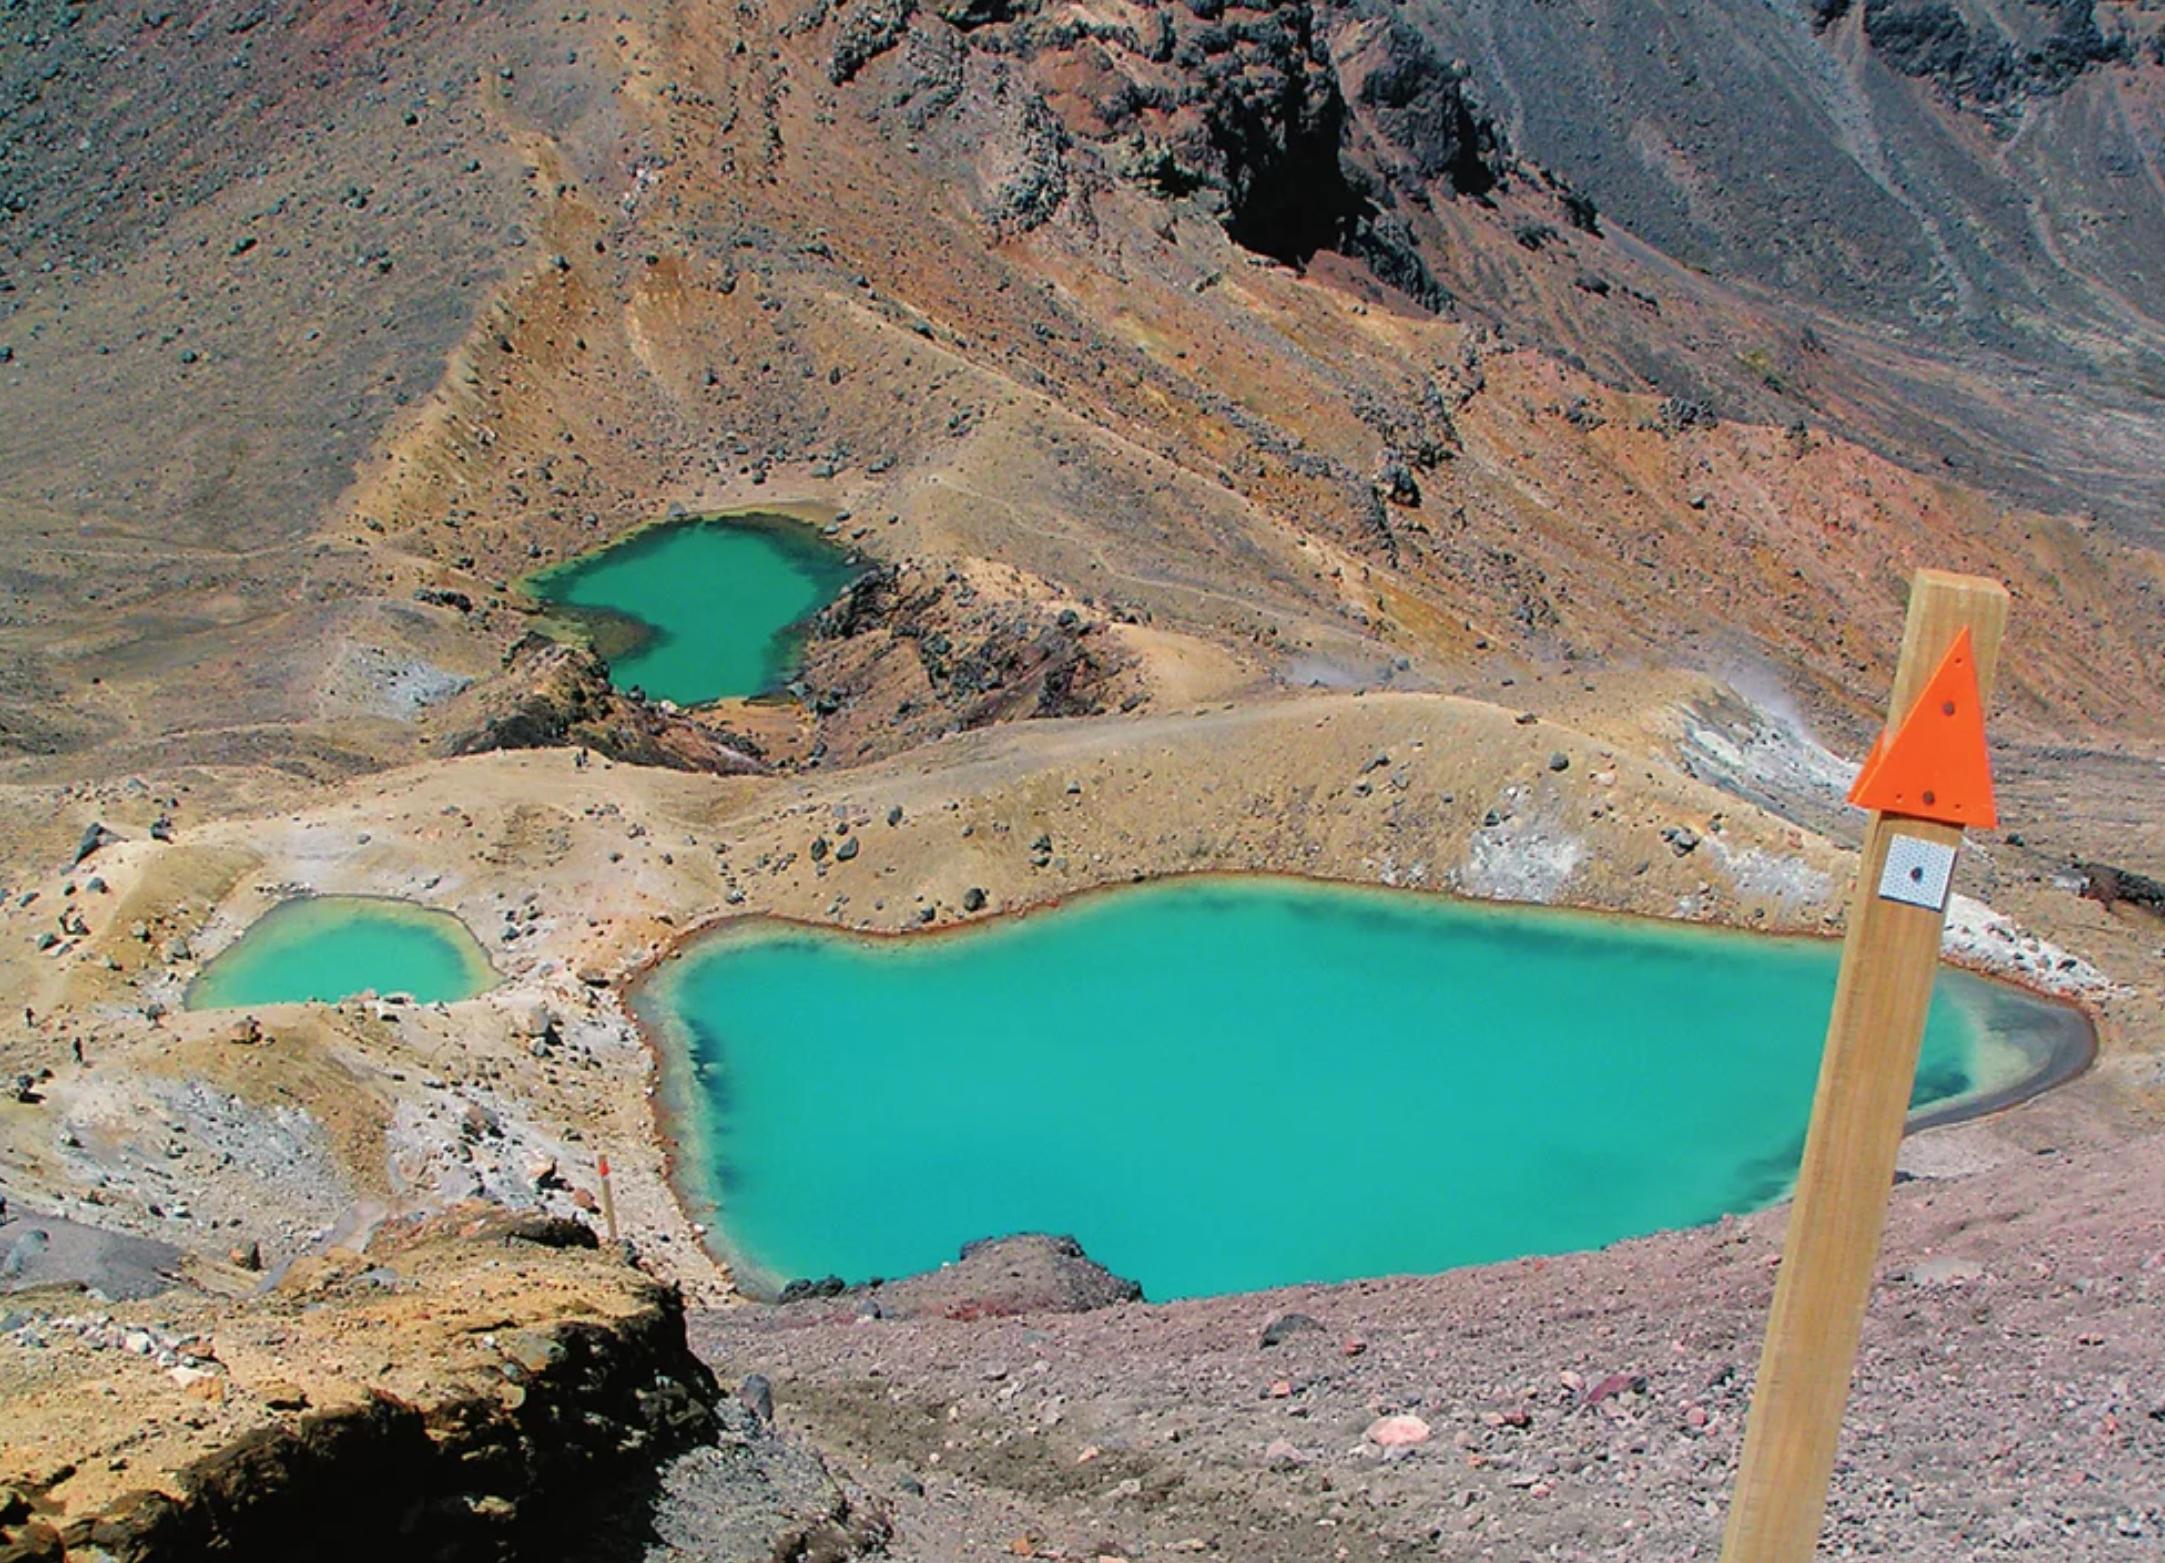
{"x":694,"y":611}
{"x":328,"y":948}
{"x":1222,"y":1085}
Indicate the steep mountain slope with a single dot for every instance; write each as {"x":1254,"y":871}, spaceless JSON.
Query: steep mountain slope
{"x":1962,"y":204}
{"x":1139,"y":303}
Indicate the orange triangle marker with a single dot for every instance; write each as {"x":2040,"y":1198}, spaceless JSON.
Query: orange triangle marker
{"x":1935,"y":766}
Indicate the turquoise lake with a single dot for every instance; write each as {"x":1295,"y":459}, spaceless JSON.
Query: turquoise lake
{"x":331,"y":947}
{"x":1222,"y":1085}
{"x":694,"y":611}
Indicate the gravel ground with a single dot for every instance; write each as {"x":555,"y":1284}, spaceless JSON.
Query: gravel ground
{"x":2010,"y":1398}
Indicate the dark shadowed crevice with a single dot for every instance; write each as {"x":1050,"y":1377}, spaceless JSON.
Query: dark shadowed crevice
{"x":1289,"y":196}
{"x":1296,"y":204}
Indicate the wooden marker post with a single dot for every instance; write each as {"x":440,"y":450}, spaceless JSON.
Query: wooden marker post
{"x":608,"y":1198}
{"x":1924,"y":781}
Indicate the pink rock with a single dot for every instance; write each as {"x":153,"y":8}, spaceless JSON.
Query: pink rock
{"x":1397,"y":1432}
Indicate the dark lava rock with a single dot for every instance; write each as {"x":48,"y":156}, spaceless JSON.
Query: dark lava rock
{"x":1395,"y":481}
{"x":2110,"y":886}
{"x":1981,"y":66}
{"x":1421,"y":107}
{"x":1287,"y":1325}
{"x":967,"y":14}
{"x":552,"y":695}
{"x":1302,"y":126}
{"x":748,"y":1494}
{"x":866,"y":31}
{"x":1312,"y":153}
{"x":1037,"y":183}
{"x":864,"y":605}
{"x":803,"y":1290}
{"x":1679,"y":413}
{"x":1930,"y":39}
{"x":441,"y":597}
{"x":1032,"y":1272}
{"x":94,"y":836}
{"x":757,"y":1394}
{"x":1275,"y":117}
{"x":973,"y":899}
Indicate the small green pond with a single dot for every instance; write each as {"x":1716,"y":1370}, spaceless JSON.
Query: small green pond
{"x":694,"y":611}
{"x":331,"y":947}
{"x":1222,"y":1085}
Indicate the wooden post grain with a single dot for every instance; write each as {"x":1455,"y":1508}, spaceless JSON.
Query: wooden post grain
{"x":608,"y":1199}
{"x":1836,"y":1220}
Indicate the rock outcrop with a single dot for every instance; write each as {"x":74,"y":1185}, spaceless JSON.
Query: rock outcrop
{"x":1980,"y":64}
{"x":750,"y":1493}
{"x":947,"y":650}
{"x":554,"y":695}
{"x":1301,"y":125}
{"x":1308,"y":124}
{"x":994,"y":1278}
{"x":2113,"y":886}
{"x":465,"y":1386}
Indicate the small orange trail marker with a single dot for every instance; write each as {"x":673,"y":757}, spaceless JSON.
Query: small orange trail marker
{"x":1896,"y":918}
{"x":1936,"y":765}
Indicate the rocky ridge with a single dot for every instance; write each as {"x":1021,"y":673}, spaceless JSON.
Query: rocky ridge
{"x":554,"y":695}
{"x":1982,"y":64}
{"x":461,"y":1383}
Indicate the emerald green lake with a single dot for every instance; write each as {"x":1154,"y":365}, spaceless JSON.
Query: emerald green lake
{"x":694,"y":611}
{"x":1222,"y":1085}
{"x":331,"y":947}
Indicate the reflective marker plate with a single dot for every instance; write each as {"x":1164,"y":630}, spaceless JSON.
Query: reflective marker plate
{"x":1917,"y":873}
